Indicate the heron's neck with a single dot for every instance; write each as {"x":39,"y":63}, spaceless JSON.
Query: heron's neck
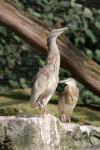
{"x":53,"y":59}
{"x":53,"y":46}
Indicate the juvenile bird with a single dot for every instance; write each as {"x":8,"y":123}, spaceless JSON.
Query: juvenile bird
{"x":68,"y":99}
{"x":48,"y":77}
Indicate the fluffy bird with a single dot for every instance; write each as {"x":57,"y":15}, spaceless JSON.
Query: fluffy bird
{"x":68,"y":99}
{"x":48,"y":77}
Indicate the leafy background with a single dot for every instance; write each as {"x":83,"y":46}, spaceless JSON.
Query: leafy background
{"x":19,"y":64}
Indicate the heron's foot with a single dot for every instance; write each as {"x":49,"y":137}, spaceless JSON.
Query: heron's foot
{"x":39,"y":105}
{"x":44,"y":112}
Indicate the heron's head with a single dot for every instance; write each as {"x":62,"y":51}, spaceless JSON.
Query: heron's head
{"x":69,"y":81}
{"x":56,"y":32}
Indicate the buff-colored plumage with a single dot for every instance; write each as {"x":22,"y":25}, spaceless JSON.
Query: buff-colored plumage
{"x":48,"y":77}
{"x":68,"y":99}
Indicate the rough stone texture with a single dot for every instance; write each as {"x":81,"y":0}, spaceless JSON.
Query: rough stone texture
{"x":46,"y":133}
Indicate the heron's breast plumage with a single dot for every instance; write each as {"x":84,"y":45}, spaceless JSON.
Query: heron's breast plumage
{"x":71,"y":95}
{"x":67,"y":100}
{"x":51,"y":84}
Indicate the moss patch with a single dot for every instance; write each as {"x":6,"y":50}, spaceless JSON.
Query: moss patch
{"x":17,"y":102}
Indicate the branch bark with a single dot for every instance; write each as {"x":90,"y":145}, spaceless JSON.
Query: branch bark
{"x":34,"y":32}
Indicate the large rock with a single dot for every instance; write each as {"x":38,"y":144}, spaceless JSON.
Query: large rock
{"x":46,"y":133}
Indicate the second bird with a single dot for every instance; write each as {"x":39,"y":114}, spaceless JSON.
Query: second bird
{"x":68,"y":99}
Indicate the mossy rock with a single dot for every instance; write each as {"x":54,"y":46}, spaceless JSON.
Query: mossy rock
{"x":45,"y":132}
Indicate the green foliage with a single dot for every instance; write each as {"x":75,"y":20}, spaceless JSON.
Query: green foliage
{"x":85,"y":35}
{"x":87,"y":21}
{"x":18,"y":64}
{"x":87,"y":97}
{"x":16,"y":60}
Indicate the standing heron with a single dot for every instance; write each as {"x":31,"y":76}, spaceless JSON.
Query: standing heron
{"x":48,"y":77}
{"x":68,"y":99}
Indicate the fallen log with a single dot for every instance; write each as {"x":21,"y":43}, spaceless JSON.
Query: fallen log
{"x":34,"y":32}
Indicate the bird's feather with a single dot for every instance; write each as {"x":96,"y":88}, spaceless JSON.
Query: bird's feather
{"x":67,"y":102}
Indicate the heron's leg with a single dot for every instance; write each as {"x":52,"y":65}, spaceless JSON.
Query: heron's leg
{"x":68,"y":119}
{"x":63,"y":118}
{"x":44,"y":108}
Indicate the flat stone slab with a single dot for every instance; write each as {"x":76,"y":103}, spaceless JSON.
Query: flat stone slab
{"x":46,"y":133}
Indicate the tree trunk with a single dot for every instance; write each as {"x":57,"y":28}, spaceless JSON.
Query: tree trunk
{"x":35,"y":33}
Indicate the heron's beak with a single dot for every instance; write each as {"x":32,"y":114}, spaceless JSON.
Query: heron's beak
{"x":62,"y":30}
{"x":69,"y":26}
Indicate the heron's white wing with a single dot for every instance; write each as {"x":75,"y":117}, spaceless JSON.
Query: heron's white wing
{"x":39,"y":88}
{"x":40,"y":84}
